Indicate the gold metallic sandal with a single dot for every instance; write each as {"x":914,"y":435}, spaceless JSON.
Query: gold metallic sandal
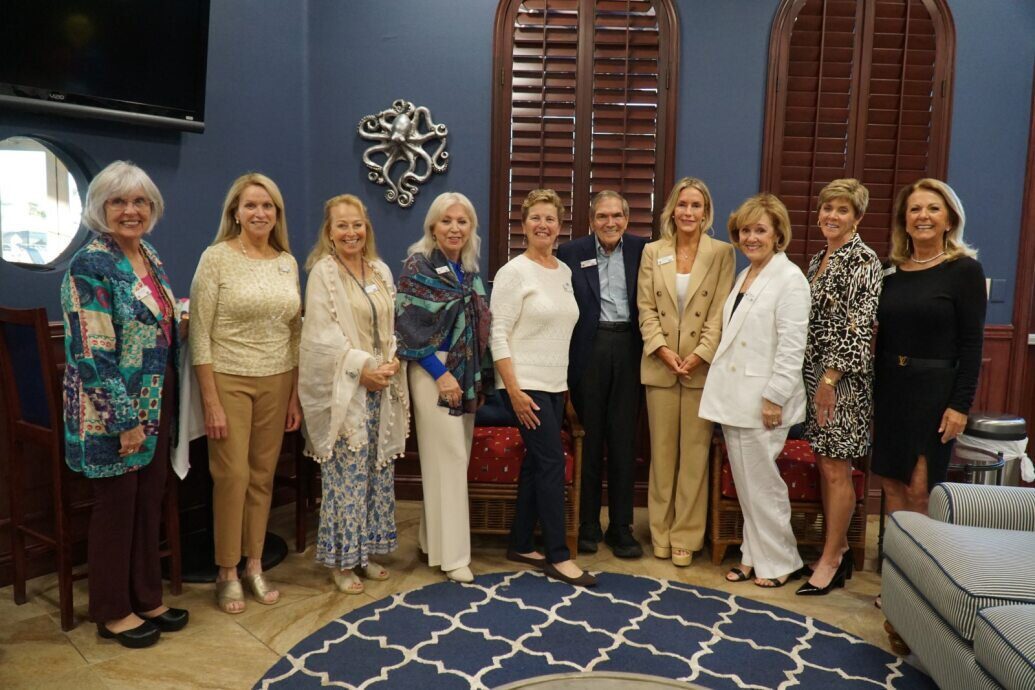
{"x":229,"y":592}
{"x":260,"y":588}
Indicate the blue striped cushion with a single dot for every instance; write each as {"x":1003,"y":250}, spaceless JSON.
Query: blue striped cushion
{"x":961,"y":570}
{"x":1004,"y":644}
{"x":947,"y":658}
{"x":978,"y":505}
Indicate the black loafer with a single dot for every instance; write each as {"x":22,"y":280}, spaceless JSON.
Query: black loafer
{"x":589,"y":537}
{"x":170,"y":621}
{"x":144,"y":635}
{"x":527,"y":560}
{"x":583,"y":580}
{"x":622,"y":542}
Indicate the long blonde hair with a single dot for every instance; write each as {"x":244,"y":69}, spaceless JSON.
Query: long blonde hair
{"x":668,"y":226}
{"x":902,"y":245}
{"x":426,"y":244}
{"x":325,"y":247}
{"x":228,"y":226}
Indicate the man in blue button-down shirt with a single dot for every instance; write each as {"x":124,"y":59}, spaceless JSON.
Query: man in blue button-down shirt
{"x":604,"y":369}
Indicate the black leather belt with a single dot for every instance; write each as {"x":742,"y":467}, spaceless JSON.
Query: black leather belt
{"x":615,"y":325}
{"x":906,"y":361}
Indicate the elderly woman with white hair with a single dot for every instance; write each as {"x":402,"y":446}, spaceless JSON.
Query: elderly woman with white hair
{"x":442,"y":324}
{"x":120,"y":395}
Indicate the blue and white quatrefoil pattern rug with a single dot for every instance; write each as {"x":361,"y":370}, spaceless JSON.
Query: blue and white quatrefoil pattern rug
{"x":511,"y":626}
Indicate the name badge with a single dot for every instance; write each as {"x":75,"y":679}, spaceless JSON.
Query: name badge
{"x":588,"y":262}
{"x":889,"y":271}
{"x":283,"y":266}
{"x":442,"y":270}
{"x":665,"y":260}
{"x":370,"y":289}
{"x":141,"y":292}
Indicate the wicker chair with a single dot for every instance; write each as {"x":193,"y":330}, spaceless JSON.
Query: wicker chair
{"x":798,"y":469}
{"x":492,"y":478}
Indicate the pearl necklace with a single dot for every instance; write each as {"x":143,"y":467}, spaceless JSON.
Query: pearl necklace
{"x":926,"y":261}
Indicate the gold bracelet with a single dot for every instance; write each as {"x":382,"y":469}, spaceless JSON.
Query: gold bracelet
{"x":829,"y":381}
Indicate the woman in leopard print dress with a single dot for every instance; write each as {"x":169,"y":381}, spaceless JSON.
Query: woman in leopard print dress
{"x":846,"y":282}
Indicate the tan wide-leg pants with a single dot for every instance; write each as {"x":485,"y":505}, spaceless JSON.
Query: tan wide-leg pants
{"x":677,"y":489}
{"x":444,"y":444}
{"x":243,"y":463}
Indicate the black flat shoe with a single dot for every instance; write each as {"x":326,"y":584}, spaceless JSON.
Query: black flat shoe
{"x":527,"y":560}
{"x":622,"y":542}
{"x":773,"y":583}
{"x":144,"y":635}
{"x":583,"y":580}
{"x":170,"y":621}
{"x":739,"y":575}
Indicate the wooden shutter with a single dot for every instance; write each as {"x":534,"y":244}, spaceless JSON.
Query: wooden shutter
{"x":857,"y":88}
{"x":583,"y":102}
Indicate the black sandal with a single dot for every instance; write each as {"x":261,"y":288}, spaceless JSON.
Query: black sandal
{"x":773,"y":583}
{"x":739,"y":575}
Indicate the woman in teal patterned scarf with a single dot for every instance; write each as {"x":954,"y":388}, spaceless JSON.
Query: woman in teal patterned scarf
{"x":120,"y":349}
{"x":442,"y":323}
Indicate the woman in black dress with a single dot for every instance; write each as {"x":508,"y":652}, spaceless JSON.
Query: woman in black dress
{"x":931,"y":316}
{"x":846,"y":280}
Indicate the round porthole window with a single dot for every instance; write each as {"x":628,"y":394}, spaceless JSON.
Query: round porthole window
{"x":41,"y":202}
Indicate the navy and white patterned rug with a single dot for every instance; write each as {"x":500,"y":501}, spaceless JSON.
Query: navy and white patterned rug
{"x":510,"y":626}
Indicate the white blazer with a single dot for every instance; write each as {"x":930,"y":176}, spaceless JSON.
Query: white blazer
{"x":762,"y":349}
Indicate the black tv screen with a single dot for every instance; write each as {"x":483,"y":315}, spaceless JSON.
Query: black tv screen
{"x":117,"y":59}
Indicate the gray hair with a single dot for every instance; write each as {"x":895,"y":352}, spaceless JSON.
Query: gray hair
{"x":119,"y":178}
{"x":426,"y":244}
{"x":607,"y":194}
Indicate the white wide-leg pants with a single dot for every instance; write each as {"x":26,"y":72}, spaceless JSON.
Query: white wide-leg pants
{"x":769,"y":544}
{"x":444,"y":444}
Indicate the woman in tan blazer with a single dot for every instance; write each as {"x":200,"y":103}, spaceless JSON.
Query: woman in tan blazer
{"x":684,"y":279}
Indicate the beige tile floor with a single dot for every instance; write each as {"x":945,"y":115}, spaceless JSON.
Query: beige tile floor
{"x":221,"y":651}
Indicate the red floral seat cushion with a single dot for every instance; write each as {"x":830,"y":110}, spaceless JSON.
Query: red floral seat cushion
{"x":797,"y":465}
{"x":497,"y":452}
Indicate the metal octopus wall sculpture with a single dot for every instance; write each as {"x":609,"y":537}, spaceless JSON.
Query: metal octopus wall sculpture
{"x":400,"y":140}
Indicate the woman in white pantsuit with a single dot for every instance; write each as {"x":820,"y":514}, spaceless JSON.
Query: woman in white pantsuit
{"x":442,"y":325}
{"x":755,"y":388}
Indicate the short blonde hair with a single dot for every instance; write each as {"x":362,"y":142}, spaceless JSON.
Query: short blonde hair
{"x":118,"y":179}
{"x":668,"y":226}
{"x":847,"y":188}
{"x":752,"y":210}
{"x":902,"y":245}
{"x":542,"y":196}
{"x":228,"y":226}
{"x":426,"y":244}
{"x":325,"y":247}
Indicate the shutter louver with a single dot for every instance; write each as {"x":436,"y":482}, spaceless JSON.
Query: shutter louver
{"x":580,"y":107}
{"x":857,"y":93}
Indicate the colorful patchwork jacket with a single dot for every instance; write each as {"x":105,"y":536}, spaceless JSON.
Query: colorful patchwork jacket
{"x":116,"y":354}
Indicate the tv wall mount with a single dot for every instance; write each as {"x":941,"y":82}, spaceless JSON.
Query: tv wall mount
{"x":408,"y":140}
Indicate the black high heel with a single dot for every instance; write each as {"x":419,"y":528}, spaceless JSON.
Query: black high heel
{"x":851,"y":563}
{"x":838,"y":580}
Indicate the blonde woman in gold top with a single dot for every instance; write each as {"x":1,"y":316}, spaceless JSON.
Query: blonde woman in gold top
{"x":245,"y":327}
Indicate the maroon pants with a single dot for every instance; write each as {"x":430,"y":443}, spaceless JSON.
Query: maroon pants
{"x":122,"y":554}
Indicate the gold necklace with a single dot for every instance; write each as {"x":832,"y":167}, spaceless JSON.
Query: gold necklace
{"x":927,"y":261}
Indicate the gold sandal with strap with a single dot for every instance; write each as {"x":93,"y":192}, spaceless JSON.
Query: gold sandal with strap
{"x":347,"y":581}
{"x":229,"y":592}
{"x":260,"y":588}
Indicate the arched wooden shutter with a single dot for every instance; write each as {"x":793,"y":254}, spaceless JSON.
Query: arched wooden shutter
{"x":584,"y":101}
{"x":857,"y":88}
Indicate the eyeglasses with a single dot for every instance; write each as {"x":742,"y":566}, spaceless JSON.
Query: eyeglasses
{"x":120,"y":204}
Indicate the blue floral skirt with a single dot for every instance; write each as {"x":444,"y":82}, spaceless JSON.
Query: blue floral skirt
{"x":357,"y":515}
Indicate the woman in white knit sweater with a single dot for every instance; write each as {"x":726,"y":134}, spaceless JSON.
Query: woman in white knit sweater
{"x":533,"y":314}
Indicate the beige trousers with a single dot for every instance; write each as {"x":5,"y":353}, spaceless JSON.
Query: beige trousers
{"x":444,"y":445}
{"x":243,"y":463}
{"x":677,"y":488}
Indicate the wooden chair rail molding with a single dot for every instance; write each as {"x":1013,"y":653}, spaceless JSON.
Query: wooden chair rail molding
{"x":997,"y":376}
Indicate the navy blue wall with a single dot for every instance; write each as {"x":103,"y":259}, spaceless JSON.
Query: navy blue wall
{"x":288,"y":85}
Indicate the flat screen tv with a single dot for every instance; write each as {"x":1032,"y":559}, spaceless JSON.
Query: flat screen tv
{"x":132,"y":61}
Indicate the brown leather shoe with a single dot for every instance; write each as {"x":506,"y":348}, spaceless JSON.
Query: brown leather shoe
{"x":583,"y":580}
{"x":527,"y":560}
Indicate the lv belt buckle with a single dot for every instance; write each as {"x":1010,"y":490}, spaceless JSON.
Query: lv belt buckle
{"x":903,"y":360}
